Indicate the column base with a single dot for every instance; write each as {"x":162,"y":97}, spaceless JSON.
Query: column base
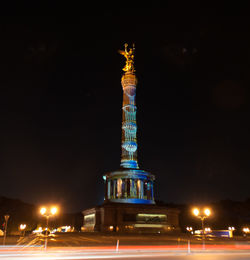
{"x":132,"y":186}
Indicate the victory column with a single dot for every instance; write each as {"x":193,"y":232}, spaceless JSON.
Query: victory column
{"x":129,"y":184}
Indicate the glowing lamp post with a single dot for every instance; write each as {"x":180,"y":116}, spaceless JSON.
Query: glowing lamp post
{"x":189,"y":229}
{"x":246,"y":231}
{"x":47,"y":213}
{"x":202,"y":215}
{"x":6,"y":218}
{"x":22,"y":228}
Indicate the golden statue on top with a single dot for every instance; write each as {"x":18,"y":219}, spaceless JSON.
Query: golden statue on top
{"x":129,"y":55}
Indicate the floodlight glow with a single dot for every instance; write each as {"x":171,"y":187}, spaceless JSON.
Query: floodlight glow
{"x":246,"y":230}
{"x":189,"y":228}
{"x":43,"y":210}
{"x":53,"y":210}
{"x":22,"y":226}
{"x":207,"y":212}
{"x":196,"y":212}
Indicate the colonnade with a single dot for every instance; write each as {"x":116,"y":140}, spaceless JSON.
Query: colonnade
{"x":128,"y":188}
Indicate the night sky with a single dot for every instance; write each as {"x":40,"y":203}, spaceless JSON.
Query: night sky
{"x":61,"y":98}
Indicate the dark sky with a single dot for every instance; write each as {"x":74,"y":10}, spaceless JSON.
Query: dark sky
{"x":61,"y":97}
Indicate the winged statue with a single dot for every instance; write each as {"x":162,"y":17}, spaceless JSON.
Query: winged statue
{"x":129,"y":55}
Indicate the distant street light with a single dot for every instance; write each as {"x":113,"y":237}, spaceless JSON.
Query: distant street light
{"x":47,"y":213}
{"x":189,"y":228}
{"x":22,"y":228}
{"x":206,"y":213}
{"x":207,"y":229}
{"x":246,"y":230}
{"x":6,"y":218}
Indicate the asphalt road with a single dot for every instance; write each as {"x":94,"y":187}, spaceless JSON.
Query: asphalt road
{"x":80,"y":239}
{"x":100,"y":246}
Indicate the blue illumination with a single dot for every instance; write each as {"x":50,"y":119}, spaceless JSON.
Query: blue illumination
{"x":133,"y":201}
{"x":130,"y":146}
{"x":129,"y":127}
{"x":129,"y":164}
{"x":129,"y":184}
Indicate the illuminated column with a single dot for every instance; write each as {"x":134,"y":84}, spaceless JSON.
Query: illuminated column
{"x":133,"y":189}
{"x":108,"y":189}
{"x":141,"y":189}
{"x":129,"y":184}
{"x":119,"y":188}
{"x":125,"y":188}
{"x":114,"y":188}
{"x":129,"y":127}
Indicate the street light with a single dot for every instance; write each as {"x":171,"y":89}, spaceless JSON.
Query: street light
{"x":43,"y":211}
{"x":47,"y":213}
{"x":246,"y":230}
{"x":190,"y":229}
{"x":207,"y":229}
{"x":196,"y":211}
{"x":202,"y":215}
{"x":22,"y":229}
{"x":6,"y":218}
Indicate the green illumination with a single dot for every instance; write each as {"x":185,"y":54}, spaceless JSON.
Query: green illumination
{"x":152,"y":215}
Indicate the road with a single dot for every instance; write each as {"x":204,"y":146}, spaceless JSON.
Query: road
{"x":14,"y":253}
{"x":100,"y":246}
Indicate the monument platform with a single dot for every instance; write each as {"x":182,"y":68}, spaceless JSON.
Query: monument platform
{"x":135,"y":218}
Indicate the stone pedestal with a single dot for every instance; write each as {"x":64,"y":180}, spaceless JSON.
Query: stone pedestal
{"x":120,"y":217}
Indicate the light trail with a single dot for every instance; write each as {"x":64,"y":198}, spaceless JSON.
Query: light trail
{"x":81,"y":253}
{"x":125,"y":252}
{"x":100,"y":255}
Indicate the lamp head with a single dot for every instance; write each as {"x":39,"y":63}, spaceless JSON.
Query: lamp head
{"x":207,"y":212}
{"x":196,"y":212}
{"x":22,"y":226}
{"x":43,"y":210}
{"x":53,"y":210}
